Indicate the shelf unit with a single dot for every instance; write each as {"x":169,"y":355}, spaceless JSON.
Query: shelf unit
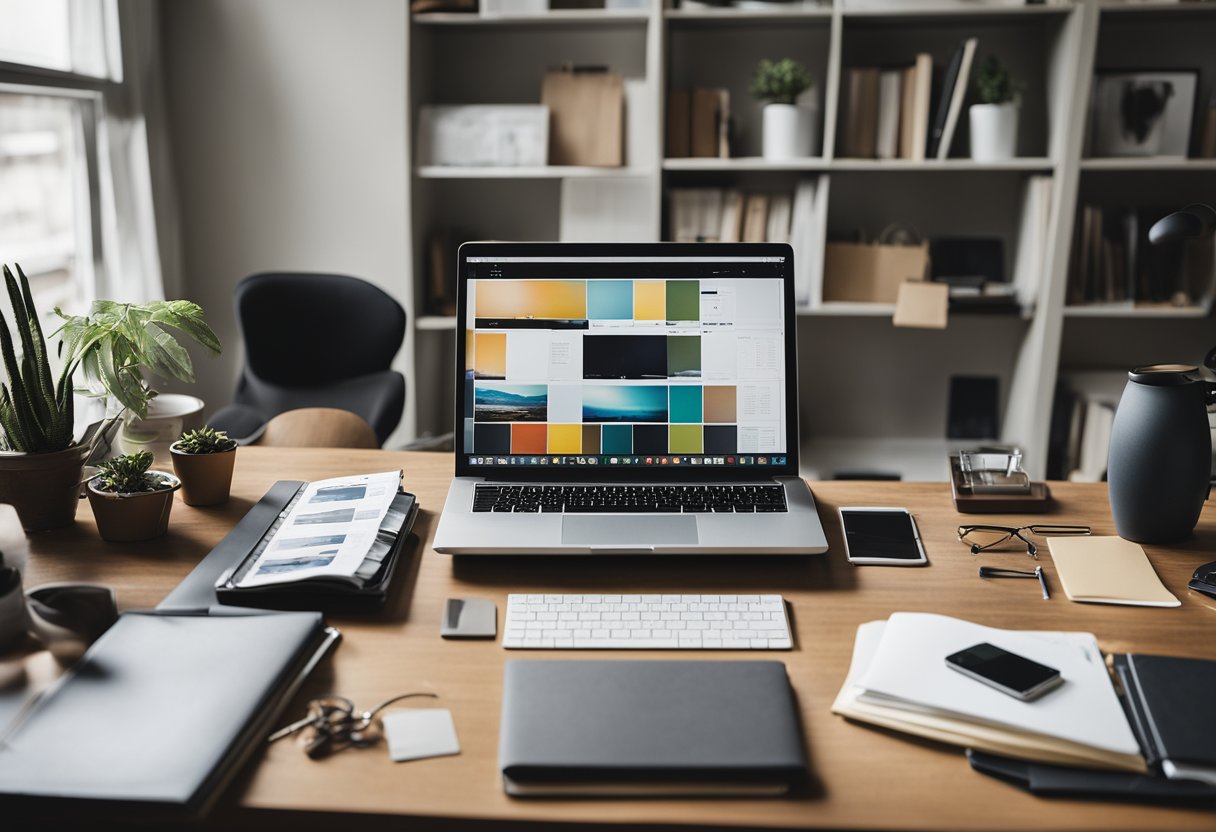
{"x":874,"y":397}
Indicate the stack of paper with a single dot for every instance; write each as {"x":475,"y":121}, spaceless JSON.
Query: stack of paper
{"x":899,"y":680}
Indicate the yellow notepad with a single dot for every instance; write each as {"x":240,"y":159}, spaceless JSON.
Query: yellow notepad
{"x":1108,"y":570}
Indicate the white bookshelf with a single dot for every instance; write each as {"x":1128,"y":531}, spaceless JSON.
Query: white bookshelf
{"x":863,"y":380}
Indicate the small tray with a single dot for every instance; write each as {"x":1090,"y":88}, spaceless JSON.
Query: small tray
{"x":1037,"y":501}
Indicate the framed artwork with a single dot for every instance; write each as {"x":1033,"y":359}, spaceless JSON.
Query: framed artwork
{"x":1143,"y":112}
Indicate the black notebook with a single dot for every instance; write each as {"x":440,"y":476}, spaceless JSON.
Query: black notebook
{"x":1171,"y":702}
{"x":649,"y":728}
{"x":161,"y":711}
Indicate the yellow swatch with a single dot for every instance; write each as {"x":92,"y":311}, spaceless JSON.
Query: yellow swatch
{"x":565,"y":439}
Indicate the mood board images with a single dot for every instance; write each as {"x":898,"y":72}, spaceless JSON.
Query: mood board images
{"x":624,"y":367}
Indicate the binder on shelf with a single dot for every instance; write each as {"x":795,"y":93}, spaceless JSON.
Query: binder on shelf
{"x":144,"y":722}
{"x":954,"y":90}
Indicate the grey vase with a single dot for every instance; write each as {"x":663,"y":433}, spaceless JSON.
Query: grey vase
{"x":1160,"y":454}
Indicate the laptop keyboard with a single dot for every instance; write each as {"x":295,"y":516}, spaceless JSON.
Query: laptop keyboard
{"x":630,"y":499}
{"x":646,"y":622}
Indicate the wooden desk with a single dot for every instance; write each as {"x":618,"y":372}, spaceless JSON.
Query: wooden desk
{"x":863,"y":778}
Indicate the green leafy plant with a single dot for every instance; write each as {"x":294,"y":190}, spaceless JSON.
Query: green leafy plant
{"x":205,"y":440}
{"x":117,"y":342}
{"x":36,"y":413}
{"x":128,"y":474}
{"x":994,"y":84}
{"x":781,"y":82}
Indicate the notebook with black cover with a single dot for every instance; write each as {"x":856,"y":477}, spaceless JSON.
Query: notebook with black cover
{"x":649,"y":728}
{"x":145,"y":722}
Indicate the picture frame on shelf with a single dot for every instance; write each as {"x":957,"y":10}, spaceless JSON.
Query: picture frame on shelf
{"x":1143,"y":113}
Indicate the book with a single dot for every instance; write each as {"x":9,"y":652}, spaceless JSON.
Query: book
{"x":709,"y":219}
{"x":440,"y":287}
{"x":802,"y":239}
{"x":778,"y":225}
{"x":889,"y":90}
{"x":897,"y":680}
{"x":704,"y":141}
{"x":755,"y":219}
{"x":1171,"y":705}
{"x":954,"y":90}
{"x":1099,"y":419}
{"x":649,"y":728}
{"x":724,"y":123}
{"x":685,"y":220}
{"x":907,"y":103}
{"x":861,"y":129}
{"x":679,"y":124}
{"x":922,"y":96}
{"x":731,"y":229}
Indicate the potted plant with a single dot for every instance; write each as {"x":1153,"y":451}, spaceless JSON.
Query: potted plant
{"x":40,"y":461}
{"x":204,"y":459}
{"x":789,"y":126}
{"x":130,"y":502}
{"x":117,"y":343}
{"x":994,"y":121}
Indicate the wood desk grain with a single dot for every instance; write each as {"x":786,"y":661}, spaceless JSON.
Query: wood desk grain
{"x":863,"y":778}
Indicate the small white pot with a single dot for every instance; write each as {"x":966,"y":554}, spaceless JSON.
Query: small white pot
{"x":789,"y":131}
{"x":168,"y":415}
{"x":994,"y":132}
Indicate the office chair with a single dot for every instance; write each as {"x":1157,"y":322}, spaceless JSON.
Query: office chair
{"x":315,"y":340}
{"x":318,"y":427}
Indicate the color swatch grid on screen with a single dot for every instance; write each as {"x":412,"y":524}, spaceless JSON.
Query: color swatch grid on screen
{"x":624,"y":367}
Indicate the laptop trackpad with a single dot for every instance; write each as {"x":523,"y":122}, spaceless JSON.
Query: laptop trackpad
{"x":597,"y":530}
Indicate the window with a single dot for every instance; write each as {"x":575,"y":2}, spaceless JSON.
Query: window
{"x":58,"y":58}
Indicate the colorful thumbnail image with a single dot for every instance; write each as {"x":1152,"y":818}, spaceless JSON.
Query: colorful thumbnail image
{"x":339,"y":494}
{"x":321,"y":518}
{"x":511,"y":403}
{"x":276,"y":567}
{"x":625,"y":403}
{"x":543,"y":299}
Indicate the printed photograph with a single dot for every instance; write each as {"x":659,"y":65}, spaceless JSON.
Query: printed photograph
{"x":278,"y":567}
{"x":339,"y":494}
{"x":337,"y":515}
{"x":624,"y":403}
{"x":1143,"y":113}
{"x":511,"y":403}
{"x":311,"y":542}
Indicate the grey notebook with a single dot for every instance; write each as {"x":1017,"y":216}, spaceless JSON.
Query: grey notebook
{"x":649,"y":727}
{"x":161,"y":710}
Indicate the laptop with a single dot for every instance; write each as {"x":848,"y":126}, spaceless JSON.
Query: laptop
{"x":625,"y":399}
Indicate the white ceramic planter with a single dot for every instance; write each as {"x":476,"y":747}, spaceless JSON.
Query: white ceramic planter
{"x":789,"y":131}
{"x":994,"y":132}
{"x":168,"y":415}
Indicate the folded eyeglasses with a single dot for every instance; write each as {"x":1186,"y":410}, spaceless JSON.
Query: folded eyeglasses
{"x":982,"y":538}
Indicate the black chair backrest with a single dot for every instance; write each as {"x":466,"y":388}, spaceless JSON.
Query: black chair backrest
{"x":305,"y":329}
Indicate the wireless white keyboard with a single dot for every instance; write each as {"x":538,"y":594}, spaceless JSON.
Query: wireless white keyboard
{"x":646,"y":622}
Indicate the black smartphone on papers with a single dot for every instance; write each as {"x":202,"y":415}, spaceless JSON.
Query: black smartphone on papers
{"x":881,"y":535}
{"x":1011,"y":674}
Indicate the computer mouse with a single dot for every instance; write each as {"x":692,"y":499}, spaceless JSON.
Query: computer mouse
{"x":1204,"y":579}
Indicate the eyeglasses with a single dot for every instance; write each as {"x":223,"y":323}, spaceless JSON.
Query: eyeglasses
{"x":332,"y":724}
{"x":983,"y":538}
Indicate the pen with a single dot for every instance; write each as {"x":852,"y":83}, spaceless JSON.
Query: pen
{"x":1038,"y":573}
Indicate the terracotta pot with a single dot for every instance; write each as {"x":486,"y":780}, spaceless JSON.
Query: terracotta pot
{"x":206,"y":478}
{"x":44,"y":488}
{"x":122,"y":518}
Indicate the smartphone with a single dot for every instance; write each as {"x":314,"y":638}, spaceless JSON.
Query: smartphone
{"x":883,"y":535}
{"x":1008,"y":672}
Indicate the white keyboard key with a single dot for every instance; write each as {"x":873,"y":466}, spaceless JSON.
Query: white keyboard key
{"x":647,"y":622}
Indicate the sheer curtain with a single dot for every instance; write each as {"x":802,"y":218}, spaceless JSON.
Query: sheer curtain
{"x":138,"y":210}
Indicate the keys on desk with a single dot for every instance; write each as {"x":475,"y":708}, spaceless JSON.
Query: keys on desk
{"x":646,"y":622}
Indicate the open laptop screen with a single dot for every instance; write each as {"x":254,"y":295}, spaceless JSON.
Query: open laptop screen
{"x":622,"y":361}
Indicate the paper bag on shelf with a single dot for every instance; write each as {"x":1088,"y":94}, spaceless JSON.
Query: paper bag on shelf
{"x":871,"y":272}
{"x":587,"y":117}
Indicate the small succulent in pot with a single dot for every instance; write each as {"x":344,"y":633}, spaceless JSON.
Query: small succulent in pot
{"x":130,"y":502}
{"x":204,"y":460}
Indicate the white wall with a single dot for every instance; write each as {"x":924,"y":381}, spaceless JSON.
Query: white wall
{"x":287,"y":128}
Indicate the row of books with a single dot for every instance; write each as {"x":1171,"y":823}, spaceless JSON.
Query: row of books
{"x":698,"y":123}
{"x":1113,"y":262}
{"x":898,"y":112}
{"x":1082,"y":417}
{"x":731,"y":216}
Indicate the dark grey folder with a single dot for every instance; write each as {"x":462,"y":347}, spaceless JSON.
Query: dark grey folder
{"x":649,"y":727}
{"x":160,"y":711}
